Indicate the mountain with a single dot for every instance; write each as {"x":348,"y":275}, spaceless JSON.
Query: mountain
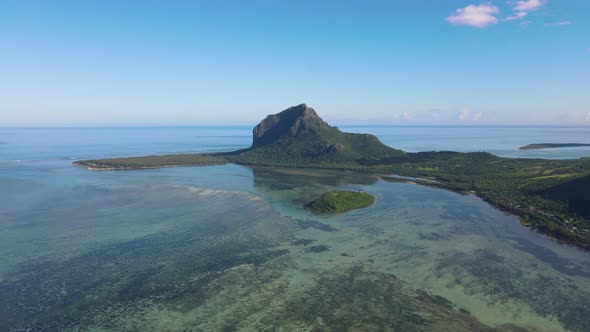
{"x":298,"y":135}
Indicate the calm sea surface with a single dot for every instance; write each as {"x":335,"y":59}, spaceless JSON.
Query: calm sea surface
{"x":231,"y":248}
{"x":37,"y":144}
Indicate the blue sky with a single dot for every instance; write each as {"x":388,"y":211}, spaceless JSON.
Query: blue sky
{"x":232,"y":62}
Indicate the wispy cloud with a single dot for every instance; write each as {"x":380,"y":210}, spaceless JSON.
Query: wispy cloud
{"x":486,"y":14}
{"x":403,"y":117}
{"x":528,"y":5}
{"x":468,"y":115}
{"x":472,"y":116}
{"x":421,"y":117}
{"x":479,"y":16}
{"x":556,"y":24}
{"x":523,"y":7}
{"x":517,"y":16}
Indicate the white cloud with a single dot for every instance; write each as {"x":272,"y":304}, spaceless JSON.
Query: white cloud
{"x":403,"y":117}
{"x":517,"y":16}
{"x":476,"y":16}
{"x":469,"y":115}
{"x":451,"y":115}
{"x":556,"y":24}
{"x":528,"y":5}
{"x":523,"y":7}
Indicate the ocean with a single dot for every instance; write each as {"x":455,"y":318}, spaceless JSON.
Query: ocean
{"x":37,"y":144}
{"x":231,"y":247}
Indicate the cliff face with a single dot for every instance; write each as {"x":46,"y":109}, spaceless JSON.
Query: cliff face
{"x":291,"y":123}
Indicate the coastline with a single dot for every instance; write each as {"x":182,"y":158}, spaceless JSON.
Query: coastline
{"x":542,"y":146}
{"x":127,"y":168}
{"x":519,"y":214}
{"x":522,"y":216}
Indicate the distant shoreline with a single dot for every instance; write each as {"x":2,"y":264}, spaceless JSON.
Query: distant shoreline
{"x":150,"y":162}
{"x":129,"y":168}
{"x":538,"y":146}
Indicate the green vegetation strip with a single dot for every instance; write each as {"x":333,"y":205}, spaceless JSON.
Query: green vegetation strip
{"x":552,"y":146}
{"x":151,"y":162}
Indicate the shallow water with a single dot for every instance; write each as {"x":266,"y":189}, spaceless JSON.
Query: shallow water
{"x":231,"y":248}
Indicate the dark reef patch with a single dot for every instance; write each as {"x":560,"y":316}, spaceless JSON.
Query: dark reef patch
{"x":500,"y":280}
{"x":546,"y":255}
{"x":303,"y":242}
{"x":317,"y":249}
{"x":359,"y":298}
{"x":437,"y":299}
{"x":308,"y":223}
{"x":432,"y":236}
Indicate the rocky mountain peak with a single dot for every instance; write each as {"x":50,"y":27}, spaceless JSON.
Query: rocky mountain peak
{"x":290,"y":123}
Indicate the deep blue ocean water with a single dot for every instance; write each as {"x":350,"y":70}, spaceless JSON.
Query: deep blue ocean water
{"x":36,"y":144}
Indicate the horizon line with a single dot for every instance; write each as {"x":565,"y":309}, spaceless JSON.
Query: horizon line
{"x":252,"y":125}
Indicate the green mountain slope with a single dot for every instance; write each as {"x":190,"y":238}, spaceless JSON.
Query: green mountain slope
{"x":572,"y":193}
{"x":298,"y":135}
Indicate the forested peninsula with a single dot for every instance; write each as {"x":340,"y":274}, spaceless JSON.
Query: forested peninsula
{"x":550,"y":195}
{"x":538,"y":146}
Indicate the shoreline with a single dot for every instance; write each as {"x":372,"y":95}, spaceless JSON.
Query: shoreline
{"x":436,"y":183}
{"x":137,"y":168}
{"x":541,"y":146}
{"x":510,"y":211}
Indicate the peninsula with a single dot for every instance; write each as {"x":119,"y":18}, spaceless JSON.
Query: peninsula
{"x":552,"y":146}
{"x":550,"y":195}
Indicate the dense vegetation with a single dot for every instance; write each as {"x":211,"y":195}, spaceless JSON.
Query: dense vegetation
{"x":552,"y":146}
{"x":340,"y":201}
{"x":550,"y":195}
{"x":316,"y":148}
{"x":152,"y":161}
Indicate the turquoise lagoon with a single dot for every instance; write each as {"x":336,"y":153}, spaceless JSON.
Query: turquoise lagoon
{"x":223,"y":248}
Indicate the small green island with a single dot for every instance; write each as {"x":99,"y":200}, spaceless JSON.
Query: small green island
{"x":548,"y":195}
{"x":340,"y":201}
{"x":538,"y":146}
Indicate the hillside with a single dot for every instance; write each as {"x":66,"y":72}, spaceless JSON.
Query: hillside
{"x":572,"y":193}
